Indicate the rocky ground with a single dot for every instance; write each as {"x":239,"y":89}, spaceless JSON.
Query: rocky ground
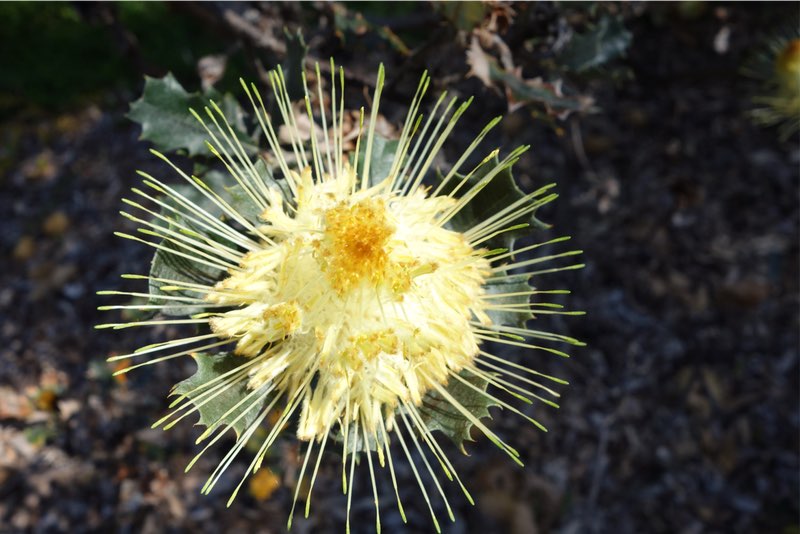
{"x":682,"y":411}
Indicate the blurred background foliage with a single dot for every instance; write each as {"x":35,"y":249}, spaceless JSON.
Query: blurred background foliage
{"x":63,"y":54}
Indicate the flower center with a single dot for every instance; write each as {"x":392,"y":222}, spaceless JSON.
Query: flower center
{"x":354,"y":246}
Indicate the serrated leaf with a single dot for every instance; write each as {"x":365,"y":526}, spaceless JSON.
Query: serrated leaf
{"x":608,"y":40}
{"x":346,"y":21}
{"x":381,"y":158}
{"x":500,"y":192}
{"x":294,"y":65}
{"x":521,"y":91}
{"x":167,"y":265}
{"x":241,"y":201}
{"x":210,"y":367}
{"x":438,"y":413}
{"x":236,"y":196}
{"x":163,"y":113}
{"x":512,"y":285}
{"x":265,"y":174}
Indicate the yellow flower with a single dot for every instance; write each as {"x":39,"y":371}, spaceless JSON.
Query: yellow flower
{"x":777,"y":67}
{"x":350,"y":295}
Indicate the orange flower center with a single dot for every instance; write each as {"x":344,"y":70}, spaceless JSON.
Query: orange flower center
{"x":354,"y":247}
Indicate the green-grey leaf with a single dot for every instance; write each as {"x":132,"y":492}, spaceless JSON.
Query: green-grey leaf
{"x":265,"y":174}
{"x":509,"y":285}
{"x":353,"y":22}
{"x":294,"y":65}
{"x":213,"y":412}
{"x":438,"y":413}
{"x":235,"y":194}
{"x":500,"y":192}
{"x":167,"y":265}
{"x":536,"y":90}
{"x":381,"y":158}
{"x":163,"y":113}
{"x":242,"y":203}
{"x":606,"y":41}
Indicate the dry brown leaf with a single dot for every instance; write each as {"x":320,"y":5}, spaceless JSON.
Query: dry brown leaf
{"x":478,"y":62}
{"x":350,"y":129}
{"x":519,"y":91}
{"x":211,"y":69}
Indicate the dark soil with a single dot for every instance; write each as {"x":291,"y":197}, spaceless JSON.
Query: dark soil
{"x":682,"y":411}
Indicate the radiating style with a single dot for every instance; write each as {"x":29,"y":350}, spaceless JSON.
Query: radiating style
{"x":346,"y":297}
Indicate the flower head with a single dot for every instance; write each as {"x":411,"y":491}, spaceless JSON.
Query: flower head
{"x":350,"y":295}
{"x":777,"y":66}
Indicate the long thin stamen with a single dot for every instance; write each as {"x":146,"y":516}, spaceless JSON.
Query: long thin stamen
{"x":500,"y":383}
{"x":465,"y":155}
{"x":306,"y":457}
{"x":426,"y":433}
{"x":484,"y":354}
{"x":316,"y":470}
{"x":148,"y":349}
{"x":405,"y":135}
{"x":515,"y":211}
{"x":285,"y":107}
{"x":321,"y":103}
{"x":232,"y":259}
{"x":211,"y":195}
{"x":205,"y":221}
{"x":269,"y":132}
{"x":250,"y":179}
{"x":534,"y":261}
{"x":512,"y":453}
{"x":385,"y":437}
{"x":496,"y":400}
{"x":232,"y":454}
{"x":438,"y":146}
{"x":515,"y":376}
{"x":477,"y":188}
{"x":404,"y":177}
{"x":316,"y":154}
{"x":435,"y":479}
{"x":419,"y":479}
{"x":170,"y":357}
{"x":239,"y":168}
{"x":411,"y":177}
{"x":224,"y":430}
{"x":206,"y":240}
{"x":372,"y":479}
{"x":373,"y":119}
{"x":353,"y":455}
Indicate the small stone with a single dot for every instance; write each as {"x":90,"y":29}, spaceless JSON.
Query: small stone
{"x":24,"y":248}
{"x":56,"y":224}
{"x":263,"y":484}
{"x":40,"y":167}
